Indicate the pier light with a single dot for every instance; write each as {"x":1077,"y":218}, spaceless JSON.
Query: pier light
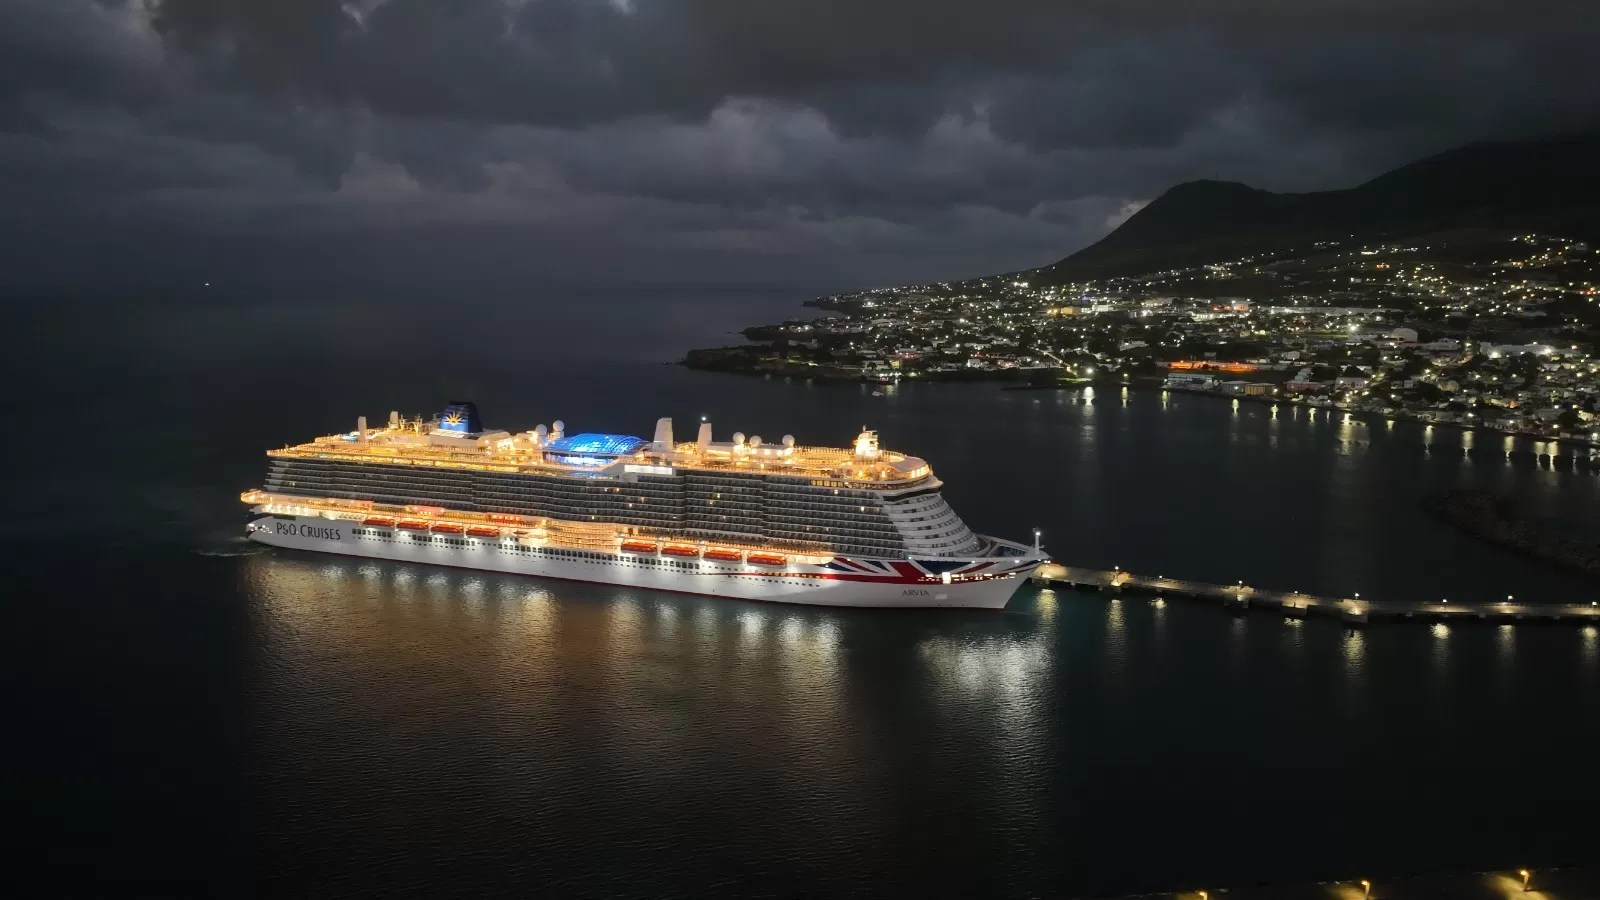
{"x":1526,"y":878}
{"x":1366,"y":888}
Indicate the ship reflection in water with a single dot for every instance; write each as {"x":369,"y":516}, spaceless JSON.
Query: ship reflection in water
{"x":666,"y":735}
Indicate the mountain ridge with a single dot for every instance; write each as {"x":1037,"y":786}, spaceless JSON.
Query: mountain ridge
{"x":1546,"y":184}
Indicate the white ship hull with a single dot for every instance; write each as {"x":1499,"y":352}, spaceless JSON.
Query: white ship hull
{"x":982,"y":583}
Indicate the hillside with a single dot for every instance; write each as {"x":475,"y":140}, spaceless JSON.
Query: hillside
{"x":1550,"y":186}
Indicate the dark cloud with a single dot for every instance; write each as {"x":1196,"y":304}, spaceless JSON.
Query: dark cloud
{"x":877,"y":139}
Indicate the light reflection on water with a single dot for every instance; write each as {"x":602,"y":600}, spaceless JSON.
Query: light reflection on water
{"x":628,"y":699}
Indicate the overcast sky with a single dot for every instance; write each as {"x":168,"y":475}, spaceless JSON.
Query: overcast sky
{"x":423,"y":145}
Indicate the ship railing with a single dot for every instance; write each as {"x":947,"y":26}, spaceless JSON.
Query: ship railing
{"x":808,"y":463}
{"x":602,"y":536}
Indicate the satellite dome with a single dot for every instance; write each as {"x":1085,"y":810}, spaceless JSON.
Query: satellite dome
{"x":738,"y":438}
{"x":788,"y":440}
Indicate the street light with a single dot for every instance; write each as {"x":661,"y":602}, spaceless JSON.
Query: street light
{"x":1366,"y":888}
{"x":1526,"y":877}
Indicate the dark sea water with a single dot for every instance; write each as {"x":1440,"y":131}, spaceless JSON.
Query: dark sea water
{"x":194,"y":716}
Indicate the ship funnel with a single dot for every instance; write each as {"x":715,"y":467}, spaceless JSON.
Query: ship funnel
{"x":663,"y":442}
{"x":703,"y":440}
{"x":361,"y":429}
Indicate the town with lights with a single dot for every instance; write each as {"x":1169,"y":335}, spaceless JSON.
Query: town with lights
{"x":1495,"y":332}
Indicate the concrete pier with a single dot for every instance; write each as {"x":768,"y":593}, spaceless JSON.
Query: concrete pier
{"x":1356,"y":610}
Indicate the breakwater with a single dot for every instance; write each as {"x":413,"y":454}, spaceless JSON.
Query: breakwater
{"x":1495,"y":519}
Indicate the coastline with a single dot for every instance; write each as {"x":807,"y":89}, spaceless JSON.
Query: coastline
{"x":1373,"y":414}
{"x":1020,"y":382}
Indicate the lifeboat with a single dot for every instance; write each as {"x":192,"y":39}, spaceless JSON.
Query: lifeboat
{"x":413,"y":525}
{"x":638,"y":547}
{"x":766,"y":559}
{"x":483,"y":531}
{"x":679,"y":550}
{"x":721,"y":554}
{"x":503,"y":517}
{"x":382,"y":521}
{"x":447,"y":528}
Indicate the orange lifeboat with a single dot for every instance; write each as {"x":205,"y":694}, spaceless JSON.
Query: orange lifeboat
{"x":382,"y":521}
{"x":413,"y":525}
{"x":766,"y":559}
{"x":483,"y":531}
{"x":721,"y":554}
{"x":638,"y":547}
{"x":447,"y":528}
{"x":679,"y":550}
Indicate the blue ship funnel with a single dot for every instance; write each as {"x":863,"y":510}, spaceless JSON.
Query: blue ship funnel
{"x":461,"y":417}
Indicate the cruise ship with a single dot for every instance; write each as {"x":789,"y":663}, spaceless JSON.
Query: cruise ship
{"x":742,"y":518}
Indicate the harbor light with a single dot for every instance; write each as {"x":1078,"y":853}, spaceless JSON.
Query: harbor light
{"x":1366,"y":888}
{"x":1526,"y":878}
